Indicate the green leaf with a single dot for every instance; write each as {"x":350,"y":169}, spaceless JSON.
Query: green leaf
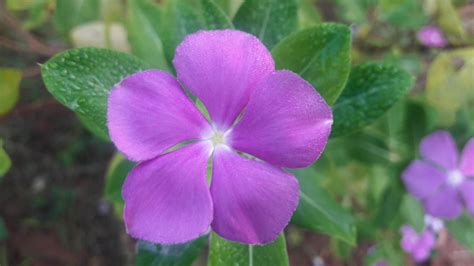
{"x":181,"y":18}
{"x":463,"y":230}
{"x":82,"y":78}
{"x":214,"y":16}
{"x":149,"y":254}
{"x":269,"y":20}
{"x":319,"y":212}
{"x":18,"y":5}
{"x":5,"y":162}
{"x":9,"y":88}
{"x":413,"y":212}
{"x":308,"y":14}
{"x":226,"y":253}
{"x":93,"y":128}
{"x":3,"y":230}
{"x":118,"y":170}
{"x":143,"y":32}
{"x":370,"y":91}
{"x":70,"y":13}
{"x":320,"y":54}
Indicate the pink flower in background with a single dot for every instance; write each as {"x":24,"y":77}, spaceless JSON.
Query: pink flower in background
{"x":274,"y":117}
{"x":432,"y":37}
{"x":419,"y":246}
{"x":442,"y":181}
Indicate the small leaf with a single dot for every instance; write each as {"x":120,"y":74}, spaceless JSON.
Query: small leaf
{"x":224,"y":252}
{"x":5,"y":162}
{"x":149,"y":254}
{"x":320,"y":54}
{"x":370,"y":91}
{"x":82,"y":78}
{"x":144,"y":19}
{"x":9,"y":88}
{"x":70,"y":13}
{"x":451,"y":70}
{"x":462,"y":229}
{"x":269,"y":20}
{"x":118,"y":170}
{"x":319,"y":212}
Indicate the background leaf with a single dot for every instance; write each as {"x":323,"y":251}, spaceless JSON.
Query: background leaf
{"x":319,"y":212}
{"x":144,"y":19}
{"x":82,"y":78}
{"x":463,"y":230}
{"x":149,"y":254}
{"x":3,"y":230}
{"x":224,"y":253}
{"x":320,"y":54}
{"x":269,"y":20}
{"x":370,"y":91}
{"x":181,"y":18}
{"x":9,"y":88}
{"x":70,"y":13}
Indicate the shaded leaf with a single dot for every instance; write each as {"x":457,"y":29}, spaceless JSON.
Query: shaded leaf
{"x":70,"y":13}
{"x":149,"y":254}
{"x":269,"y":20}
{"x":3,"y":230}
{"x":319,"y":212}
{"x":82,"y":78}
{"x":144,"y":19}
{"x":320,"y":54}
{"x":370,"y":91}
{"x":224,"y":253}
{"x":118,"y":170}
{"x":214,"y":16}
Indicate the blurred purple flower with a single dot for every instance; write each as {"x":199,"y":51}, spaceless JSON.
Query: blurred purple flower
{"x":441,"y":181}
{"x":380,"y":263}
{"x":434,"y":224}
{"x":432,"y":37}
{"x":419,"y":246}
{"x":275,"y":116}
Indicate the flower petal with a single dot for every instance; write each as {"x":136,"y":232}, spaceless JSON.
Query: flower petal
{"x":148,"y":112}
{"x":286,"y":123}
{"x":221,"y":68}
{"x":253,"y":201}
{"x":467,"y":192}
{"x":440,"y":148}
{"x":167,"y":199}
{"x":445,"y":203}
{"x":467,"y":159}
{"x":422,"y":179}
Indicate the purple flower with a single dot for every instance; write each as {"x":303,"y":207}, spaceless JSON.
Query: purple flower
{"x":440,"y":180}
{"x":419,"y":246}
{"x":432,"y":37}
{"x":381,"y":262}
{"x":261,"y":121}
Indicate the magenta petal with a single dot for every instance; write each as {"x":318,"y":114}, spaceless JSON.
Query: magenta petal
{"x":221,"y":68}
{"x":440,"y":148}
{"x":445,"y":203}
{"x":467,"y":159}
{"x":422,"y":179}
{"x":467,"y":192}
{"x":253,"y":201}
{"x":148,"y":112}
{"x":167,"y":199}
{"x":286,"y":123}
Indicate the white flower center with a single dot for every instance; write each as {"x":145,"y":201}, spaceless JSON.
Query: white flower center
{"x":455,"y":178}
{"x":217,"y":138}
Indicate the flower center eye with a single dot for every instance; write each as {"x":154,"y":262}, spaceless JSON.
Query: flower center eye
{"x":455,"y":178}
{"x":218,"y":138}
